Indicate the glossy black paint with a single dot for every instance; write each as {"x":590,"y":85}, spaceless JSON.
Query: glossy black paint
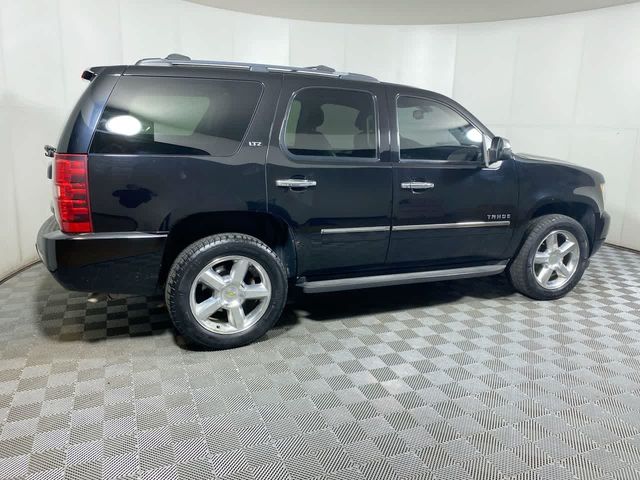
{"x":545,"y":182}
{"x":122,"y":263}
{"x":463,"y":192}
{"x":350,"y":192}
{"x":160,"y":191}
{"x":138,"y":201}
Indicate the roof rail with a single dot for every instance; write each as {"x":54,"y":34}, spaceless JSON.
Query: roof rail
{"x":176,"y":59}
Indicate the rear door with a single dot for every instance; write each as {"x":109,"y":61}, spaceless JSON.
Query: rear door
{"x":327,"y":175}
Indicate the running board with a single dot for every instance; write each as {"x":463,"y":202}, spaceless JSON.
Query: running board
{"x":322,"y":286}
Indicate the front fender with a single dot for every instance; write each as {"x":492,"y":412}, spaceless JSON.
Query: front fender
{"x":550,"y":187}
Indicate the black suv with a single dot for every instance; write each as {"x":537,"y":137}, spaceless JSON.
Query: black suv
{"x":225,"y":184}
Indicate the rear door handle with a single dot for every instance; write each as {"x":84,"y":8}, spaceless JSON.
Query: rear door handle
{"x":416,"y":185}
{"x":296,"y":183}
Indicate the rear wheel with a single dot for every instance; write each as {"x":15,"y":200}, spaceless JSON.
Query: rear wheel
{"x":552,"y":258}
{"x":226,"y":290}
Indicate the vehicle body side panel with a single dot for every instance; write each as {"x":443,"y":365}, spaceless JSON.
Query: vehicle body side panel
{"x":151,"y":193}
{"x":136,"y":200}
{"x":462,"y":192}
{"x":548,"y":182}
{"x":350,"y":193}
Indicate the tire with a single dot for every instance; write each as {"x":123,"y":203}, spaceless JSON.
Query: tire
{"x":203,"y":277}
{"x":527,"y":271}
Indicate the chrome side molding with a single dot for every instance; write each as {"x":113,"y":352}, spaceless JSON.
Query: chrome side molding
{"x":437,"y":226}
{"x":325,"y":231}
{"x":427,"y":226}
{"x":322,"y":286}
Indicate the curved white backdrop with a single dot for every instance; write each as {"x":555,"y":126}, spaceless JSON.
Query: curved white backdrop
{"x":565,"y":86}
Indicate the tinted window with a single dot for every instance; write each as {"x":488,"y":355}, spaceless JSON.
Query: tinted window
{"x":329,"y":122}
{"x":176,"y":116}
{"x":77,"y":133}
{"x":432,"y":131}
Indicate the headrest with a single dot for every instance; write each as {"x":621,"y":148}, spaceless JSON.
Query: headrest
{"x":311,"y":117}
{"x":361,"y":121}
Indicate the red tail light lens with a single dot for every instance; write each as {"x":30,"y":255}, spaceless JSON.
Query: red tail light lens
{"x":71,"y":192}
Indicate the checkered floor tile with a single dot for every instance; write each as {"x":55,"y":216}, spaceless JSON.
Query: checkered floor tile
{"x":461,"y":380}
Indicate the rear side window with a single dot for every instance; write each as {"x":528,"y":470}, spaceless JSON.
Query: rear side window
{"x":328,"y":122}
{"x":432,"y":131}
{"x":177,"y":116}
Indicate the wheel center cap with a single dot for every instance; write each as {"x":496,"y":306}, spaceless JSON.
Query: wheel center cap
{"x":230,"y":293}
{"x":555,"y":258}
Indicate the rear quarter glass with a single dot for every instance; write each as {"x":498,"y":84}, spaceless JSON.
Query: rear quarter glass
{"x":176,"y":116}
{"x":78,"y":131}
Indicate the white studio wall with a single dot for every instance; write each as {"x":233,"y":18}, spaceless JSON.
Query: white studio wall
{"x":565,"y":86}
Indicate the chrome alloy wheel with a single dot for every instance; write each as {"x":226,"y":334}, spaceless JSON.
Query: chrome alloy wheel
{"x":230,"y":294}
{"x":556,"y":260}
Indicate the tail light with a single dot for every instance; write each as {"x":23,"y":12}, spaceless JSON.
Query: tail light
{"x":71,"y":193}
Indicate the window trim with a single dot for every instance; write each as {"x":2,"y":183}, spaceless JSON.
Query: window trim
{"x":317,"y":158}
{"x":480,"y":162}
{"x":241,"y":143}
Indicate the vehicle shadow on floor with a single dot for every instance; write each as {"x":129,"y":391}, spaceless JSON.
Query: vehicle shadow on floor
{"x":68,"y":317}
{"x":340,"y":305}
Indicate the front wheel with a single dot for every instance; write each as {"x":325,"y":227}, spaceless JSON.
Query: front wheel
{"x":226,"y":290}
{"x":552,"y":258}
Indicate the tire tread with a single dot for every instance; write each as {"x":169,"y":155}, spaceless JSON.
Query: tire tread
{"x":518,"y":270}
{"x":188,"y":255}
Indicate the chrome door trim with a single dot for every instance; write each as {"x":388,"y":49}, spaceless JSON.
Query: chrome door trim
{"x":296,"y":183}
{"x":321,"y":286}
{"x":438,"y":226}
{"x":416,"y":185}
{"x":325,"y":231}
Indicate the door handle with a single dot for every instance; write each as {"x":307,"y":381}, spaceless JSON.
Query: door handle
{"x":296,"y":183}
{"x":416,"y":185}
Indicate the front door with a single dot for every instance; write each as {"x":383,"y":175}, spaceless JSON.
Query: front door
{"x":326,"y":176}
{"x":449,"y":208}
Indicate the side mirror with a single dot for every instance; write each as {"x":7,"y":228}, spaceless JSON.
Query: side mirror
{"x":500,"y":149}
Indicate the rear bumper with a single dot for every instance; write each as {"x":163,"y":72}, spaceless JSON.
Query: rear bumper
{"x":602,"y":230}
{"x":127,"y":262}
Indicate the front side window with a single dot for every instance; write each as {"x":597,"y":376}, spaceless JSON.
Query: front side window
{"x":429,"y":130}
{"x":328,"y":122}
{"x":177,"y":116}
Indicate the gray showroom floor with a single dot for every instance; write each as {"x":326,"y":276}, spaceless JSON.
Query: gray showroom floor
{"x":461,"y":380}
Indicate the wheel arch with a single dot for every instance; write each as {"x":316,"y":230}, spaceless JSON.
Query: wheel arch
{"x":582,"y":212}
{"x":268,"y":228}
